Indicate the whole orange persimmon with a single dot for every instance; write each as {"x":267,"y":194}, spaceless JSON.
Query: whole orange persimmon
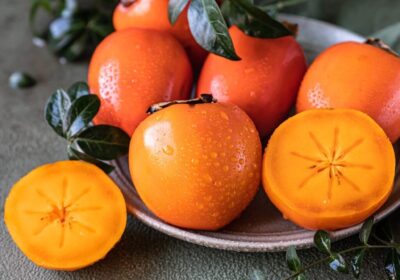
{"x":264,"y":83}
{"x":134,"y":68}
{"x":153,"y":14}
{"x":357,"y":76}
{"x":196,"y":166}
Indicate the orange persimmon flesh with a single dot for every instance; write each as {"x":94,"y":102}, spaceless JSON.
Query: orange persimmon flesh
{"x":65,"y":215}
{"x":328,"y":168}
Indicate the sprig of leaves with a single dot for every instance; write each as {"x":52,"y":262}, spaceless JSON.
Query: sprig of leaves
{"x":381,"y":235}
{"x":70,"y":114}
{"x":71,"y":28}
{"x":209,"y":23}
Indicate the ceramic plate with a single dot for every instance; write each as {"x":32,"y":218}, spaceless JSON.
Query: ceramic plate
{"x":261,"y":227}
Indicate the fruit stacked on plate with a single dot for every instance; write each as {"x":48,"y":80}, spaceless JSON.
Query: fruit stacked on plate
{"x":197,"y":161}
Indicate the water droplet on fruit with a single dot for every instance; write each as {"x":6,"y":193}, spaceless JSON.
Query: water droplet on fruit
{"x":217,"y":164}
{"x":214,"y":155}
{"x":248,"y":70}
{"x":218,"y":183}
{"x":252,"y":93}
{"x":224,"y":116}
{"x":208,"y":178}
{"x":241,"y":161}
{"x":168,"y":150}
{"x":195,"y":161}
{"x":226,"y":168}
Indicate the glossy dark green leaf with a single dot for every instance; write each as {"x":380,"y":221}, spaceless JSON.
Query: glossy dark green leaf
{"x":209,"y":28}
{"x":175,"y":8}
{"x":392,"y":265}
{"x":365,"y":231}
{"x":383,"y":230}
{"x":338,"y":263}
{"x":292,"y":259}
{"x":100,"y":25}
{"x":77,"y":90}
{"x":77,"y":49}
{"x":356,"y":262}
{"x":252,"y":20}
{"x":74,"y":154}
{"x":81,"y":113}
{"x":63,"y":31}
{"x":56,"y":110}
{"x":103,"y":142}
{"x":322,"y":241}
{"x":21,"y":80}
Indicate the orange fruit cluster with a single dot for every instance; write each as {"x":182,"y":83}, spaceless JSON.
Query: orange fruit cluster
{"x":198,"y":164}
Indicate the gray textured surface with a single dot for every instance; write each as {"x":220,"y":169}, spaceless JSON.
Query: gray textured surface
{"x":143,"y":253}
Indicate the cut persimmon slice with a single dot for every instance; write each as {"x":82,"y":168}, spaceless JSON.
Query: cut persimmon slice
{"x":328,"y":168}
{"x":65,"y":215}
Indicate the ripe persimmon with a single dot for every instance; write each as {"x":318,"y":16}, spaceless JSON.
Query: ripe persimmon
{"x":357,"y":76}
{"x":133,"y":69}
{"x":264,"y":83}
{"x":153,"y":14}
{"x":196,"y":166}
{"x":328,"y":168}
{"x":65,"y":215}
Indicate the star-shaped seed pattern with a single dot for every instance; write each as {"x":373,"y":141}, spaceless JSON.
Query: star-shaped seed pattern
{"x":333,"y":161}
{"x":63,"y":212}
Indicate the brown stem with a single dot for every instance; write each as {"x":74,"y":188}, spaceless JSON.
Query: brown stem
{"x":292,"y":27}
{"x":127,"y":3}
{"x":380,"y":44}
{"x":203,"y":99}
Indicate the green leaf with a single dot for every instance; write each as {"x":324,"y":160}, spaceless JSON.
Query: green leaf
{"x":338,"y":263}
{"x":103,"y":142}
{"x":392,"y":265}
{"x":292,"y":259}
{"x":366,"y":230}
{"x":21,"y":80}
{"x":209,"y":29}
{"x":356,"y":262}
{"x":56,"y":110}
{"x":74,"y":154}
{"x":384,"y":230}
{"x":252,"y":20}
{"x":175,"y":8}
{"x":77,"y":90}
{"x":322,"y":241}
{"x":81,"y":113}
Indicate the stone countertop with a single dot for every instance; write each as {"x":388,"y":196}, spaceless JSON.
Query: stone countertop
{"x":143,"y":253}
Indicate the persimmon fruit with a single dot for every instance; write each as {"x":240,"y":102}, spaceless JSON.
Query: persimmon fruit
{"x":196,"y":166}
{"x":357,"y":76}
{"x":65,"y":215}
{"x":264,"y":83}
{"x":153,"y":14}
{"x":328,"y":169}
{"x":133,"y":69}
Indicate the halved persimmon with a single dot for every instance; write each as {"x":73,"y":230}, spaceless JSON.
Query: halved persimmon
{"x":65,"y":215}
{"x":328,"y":168}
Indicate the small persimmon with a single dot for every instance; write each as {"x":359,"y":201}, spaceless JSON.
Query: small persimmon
{"x":328,"y":169}
{"x":153,"y":14}
{"x":196,"y":166}
{"x":356,"y":76}
{"x":65,"y":215}
{"x":133,"y":69}
{"x":264,"y":83}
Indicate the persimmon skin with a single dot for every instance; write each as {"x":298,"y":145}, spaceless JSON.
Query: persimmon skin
{"x":264,"y":83}
{"x":65,"y":215}
{"x":131,"y":70}
{"x":196,"y":167}
{"x":328,"y":169}
{"x":357,"y":76}
{"x":153,"y":14}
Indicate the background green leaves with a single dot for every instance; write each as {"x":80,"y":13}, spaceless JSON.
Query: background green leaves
{"x":70,"y":113}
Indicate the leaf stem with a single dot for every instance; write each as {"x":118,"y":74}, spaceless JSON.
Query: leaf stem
{"x":279,"y":5}
{"x":327,"y":258}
